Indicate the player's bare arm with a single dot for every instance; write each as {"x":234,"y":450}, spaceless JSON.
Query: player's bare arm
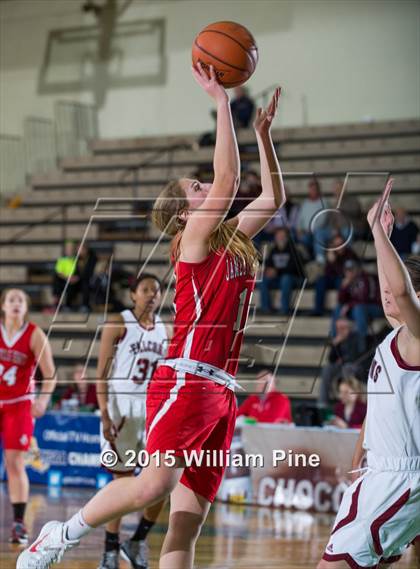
{"x":387,"y":222}
{"x":204,"y":220}
{"x":258,"y":213}
{"x":112,"y":332}
{"x":398,"y":280}
{"x":41,"y":348}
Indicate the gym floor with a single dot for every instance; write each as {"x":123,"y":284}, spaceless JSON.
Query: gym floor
{"x":234,"y":536}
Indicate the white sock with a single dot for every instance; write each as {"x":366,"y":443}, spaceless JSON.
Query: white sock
{"x":76,"y":527}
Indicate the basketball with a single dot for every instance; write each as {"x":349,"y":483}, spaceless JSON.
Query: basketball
{"x":230,"y":48}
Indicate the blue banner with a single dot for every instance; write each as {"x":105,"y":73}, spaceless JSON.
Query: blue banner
{"x":65,"y":451}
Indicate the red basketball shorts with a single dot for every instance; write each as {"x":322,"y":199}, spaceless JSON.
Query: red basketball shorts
{"x":16,"y":425}
{"x":187,"y":413}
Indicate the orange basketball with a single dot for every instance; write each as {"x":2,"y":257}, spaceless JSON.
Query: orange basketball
{"x":230,"y":48}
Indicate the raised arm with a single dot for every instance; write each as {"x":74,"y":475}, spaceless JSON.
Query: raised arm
{"x":387,"y":222}
{"x":112,"y":332}
{"x":203,"y":221}
{"x":258,"y":213}
{"x":397,"y":276}
{"x":41,"y":349}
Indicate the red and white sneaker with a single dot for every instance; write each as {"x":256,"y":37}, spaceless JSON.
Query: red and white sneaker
{"x":47,"y":549}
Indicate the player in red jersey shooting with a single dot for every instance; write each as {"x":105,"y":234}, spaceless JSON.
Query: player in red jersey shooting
{"x":22,"y":346}
{"x":191,"y":404}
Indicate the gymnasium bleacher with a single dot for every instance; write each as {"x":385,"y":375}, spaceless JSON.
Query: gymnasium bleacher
{"x":85,"y":193}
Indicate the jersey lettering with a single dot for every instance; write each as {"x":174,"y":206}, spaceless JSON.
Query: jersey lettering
{"x":375,"y":370}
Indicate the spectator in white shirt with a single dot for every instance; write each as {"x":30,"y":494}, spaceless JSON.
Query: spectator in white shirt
{"x":314,"y":238}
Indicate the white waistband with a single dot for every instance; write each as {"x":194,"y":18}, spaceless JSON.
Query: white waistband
{"x":17,"y":399}
{"x":201,"y":369}
{"x":393,"y":463}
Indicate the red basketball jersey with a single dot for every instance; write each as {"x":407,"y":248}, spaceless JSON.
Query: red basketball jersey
{"x":211,"y":308}
{"x":17,"y":363}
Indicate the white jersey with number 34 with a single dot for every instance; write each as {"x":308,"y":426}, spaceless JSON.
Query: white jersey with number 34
{"x":136,"y":356}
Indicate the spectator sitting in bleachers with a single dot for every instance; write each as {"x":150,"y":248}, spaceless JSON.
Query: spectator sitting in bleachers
{"x":359,"y":299}
{"x":81,"y":393}
{"x":404,"y":233}
{"x":270,"y":405}
{"x":313,"y":238}
{"x":351,"y":209}
{"x":350,"y":411}
{"x":342,"y":358}
{"x":107,"y":287}
{"x":65,"y":271}
{"x":333,"y":272}
{"x":285,"y":216}
{"x":283,"y":271}
{"x":85,"y":270}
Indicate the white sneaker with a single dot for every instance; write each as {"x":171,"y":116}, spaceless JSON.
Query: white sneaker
{"x":48,"y":548}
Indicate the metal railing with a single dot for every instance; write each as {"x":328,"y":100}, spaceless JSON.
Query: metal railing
{"x":76,"y":125}
{"x":12,"y":163}
{"x":45,"y":142}
{"x":40,"y":146}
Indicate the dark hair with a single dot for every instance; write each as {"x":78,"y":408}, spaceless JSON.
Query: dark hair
{"x":283,"y":228}
{"x":136,"y":281}
{"x":314,"y":181}
{"x":6,"y":291}
{"x":412,"y":264}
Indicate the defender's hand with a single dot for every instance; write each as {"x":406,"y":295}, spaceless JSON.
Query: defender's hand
{"x":376,"y":212}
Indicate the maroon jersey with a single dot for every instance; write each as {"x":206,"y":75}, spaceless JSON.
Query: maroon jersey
{"x":17,"y":364}
{"x":211,"y":308}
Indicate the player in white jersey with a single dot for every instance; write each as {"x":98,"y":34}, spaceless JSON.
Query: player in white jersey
{"x":131,"y":344}
{"x":379,"y":515}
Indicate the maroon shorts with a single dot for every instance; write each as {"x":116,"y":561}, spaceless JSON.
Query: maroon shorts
{"x":16,"y":425}
{"x":187,"y":413}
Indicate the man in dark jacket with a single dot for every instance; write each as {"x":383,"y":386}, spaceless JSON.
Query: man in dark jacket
{"x":242,"y":107}
{"x":404,"y":233}
{"x":359,"y":299}
{"x":85,"y":269}
{"x":342,"y":357}
{"x":283,"y":271}
{"x":337,"y":256}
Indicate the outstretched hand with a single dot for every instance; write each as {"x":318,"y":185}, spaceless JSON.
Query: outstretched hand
{"x":207,"y":79}
{"x":387,"y":219}
{"x":264,"y":117}
{"x":381,"y":210}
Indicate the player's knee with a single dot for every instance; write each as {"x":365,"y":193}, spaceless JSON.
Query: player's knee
{"x":185,"y":527}
{"x":323,"y":565}
{"x":150,"y":493}
{"x":14,"y":465}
